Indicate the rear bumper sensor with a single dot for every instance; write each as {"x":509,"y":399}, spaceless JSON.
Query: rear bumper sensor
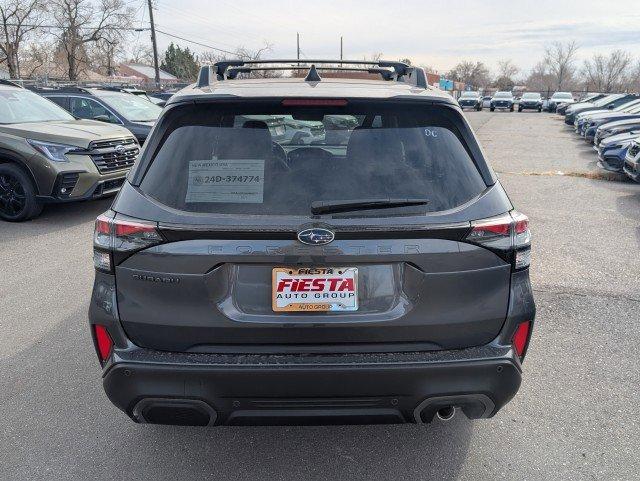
{"x":201,"y":389}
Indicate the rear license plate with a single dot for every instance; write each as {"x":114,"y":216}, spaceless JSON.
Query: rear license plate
{"x":315,"y":289}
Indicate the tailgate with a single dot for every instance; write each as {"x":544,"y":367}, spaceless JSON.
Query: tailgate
{"x":204,"y":295}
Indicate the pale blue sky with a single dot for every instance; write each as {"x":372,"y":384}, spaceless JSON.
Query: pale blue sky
{"x":435,"y":33}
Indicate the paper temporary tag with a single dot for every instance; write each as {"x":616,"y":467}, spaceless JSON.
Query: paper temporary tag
{"x":226,"y":181}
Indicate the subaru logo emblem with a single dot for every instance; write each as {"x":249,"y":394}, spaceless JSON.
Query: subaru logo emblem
{"x":315,"y":236}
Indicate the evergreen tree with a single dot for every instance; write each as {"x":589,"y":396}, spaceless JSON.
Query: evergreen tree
{"x":180,"y":62}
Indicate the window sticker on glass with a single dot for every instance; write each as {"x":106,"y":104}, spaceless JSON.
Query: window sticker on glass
{"x":226,"y":181}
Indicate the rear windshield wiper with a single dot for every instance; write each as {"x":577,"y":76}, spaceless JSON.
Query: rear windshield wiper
{"x":335,"y":206}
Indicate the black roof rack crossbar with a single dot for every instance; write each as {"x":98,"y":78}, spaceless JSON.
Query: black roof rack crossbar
{"x":229,"y":69}
{"x":386,"y":74}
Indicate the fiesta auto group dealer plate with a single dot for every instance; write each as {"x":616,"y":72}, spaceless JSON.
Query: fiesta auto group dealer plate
{"x":315,"y":289}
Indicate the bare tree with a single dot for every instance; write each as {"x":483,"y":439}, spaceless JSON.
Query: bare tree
{"x":507,"y":69}
{"x":634,"y":83}
{"x":607,"y":73}
{"x":81,"y":22}
{"x":242,"y":53}
{"x":541,"y":79}
{"x":37,"y":59}
{"x":18,"y":18}
{"x":105,"y":53}
{"x":142,"y":54}
{"x":475,"y":74}
{"x":561,"y":57}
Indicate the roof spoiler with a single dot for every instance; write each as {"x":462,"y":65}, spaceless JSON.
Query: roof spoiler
{"x":388,"y":70}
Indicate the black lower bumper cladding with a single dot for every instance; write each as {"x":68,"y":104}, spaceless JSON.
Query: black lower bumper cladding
{"x":206,"y":389}
{"x":392,"y":385}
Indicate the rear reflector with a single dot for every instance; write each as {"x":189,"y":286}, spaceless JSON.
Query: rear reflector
{"x":103,"y":342}
{"x":521,"y":337}
{"x":314,"y":102}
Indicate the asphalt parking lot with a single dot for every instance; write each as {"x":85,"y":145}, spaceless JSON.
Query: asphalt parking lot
{"x":575,"y":416}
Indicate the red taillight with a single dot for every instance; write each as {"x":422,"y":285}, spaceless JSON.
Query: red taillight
{"x":521,"y":337}
{"x":126,"y":228}
{"x":103,"y":225}
{"x":508,"y":235}
{"x":104,"y":344}
{"x":121,"y":235}
{"x":314,"y":102}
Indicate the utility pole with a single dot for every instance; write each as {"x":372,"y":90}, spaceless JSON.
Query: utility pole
{"x":154,"y":44}
{"x":341,"y":50}
{"x":298,"y":46}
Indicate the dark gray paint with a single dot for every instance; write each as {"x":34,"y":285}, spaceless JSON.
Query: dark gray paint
{"x":440,"y":292}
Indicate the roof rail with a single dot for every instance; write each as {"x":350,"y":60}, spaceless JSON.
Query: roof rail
{"x":62,"y":89}
{"x":389,"y":70}
{"x":9,"y":82}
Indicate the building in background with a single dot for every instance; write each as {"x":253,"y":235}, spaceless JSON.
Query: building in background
{"x":146,"y":74}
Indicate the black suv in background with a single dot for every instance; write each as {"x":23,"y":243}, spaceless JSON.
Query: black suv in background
{"x":530,"y":101}
{"x":502,"y":100}
{"x":381,"y":275}
{"x":470,"y":100}
{"x":134,"y":112}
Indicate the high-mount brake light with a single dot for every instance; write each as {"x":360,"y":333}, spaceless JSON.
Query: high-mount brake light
{"x":314,"y":103}
{"x":113,"y":235}
{"x":507,"y":234}
{"x":103,"y":341}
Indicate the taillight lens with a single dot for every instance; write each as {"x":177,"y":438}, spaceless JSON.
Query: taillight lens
{"x":103,"y":341}
{"x":521,"y":337}
{"x":507,"y":234}
{"x":120,"y":235}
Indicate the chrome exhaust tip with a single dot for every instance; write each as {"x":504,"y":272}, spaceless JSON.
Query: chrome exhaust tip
{"x":446,"y":414}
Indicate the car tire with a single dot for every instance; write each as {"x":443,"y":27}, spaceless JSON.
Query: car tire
{"x":519,"y":109}
{"x":18,"y":200}
{"x":539,"y":109}
{"x":492,"y":109}
{"x":511,"y":109}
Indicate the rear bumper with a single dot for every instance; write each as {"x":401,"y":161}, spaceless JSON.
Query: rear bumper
{"x":397,"y":383}
{"x":160,"y":387}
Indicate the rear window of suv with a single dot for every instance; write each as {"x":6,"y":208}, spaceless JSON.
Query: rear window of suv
{"x":267,"y":159}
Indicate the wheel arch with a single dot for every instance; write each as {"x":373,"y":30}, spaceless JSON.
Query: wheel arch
{"x":10,"y":157}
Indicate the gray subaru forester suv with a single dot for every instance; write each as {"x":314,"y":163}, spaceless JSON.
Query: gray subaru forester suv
{"x":376,"y":274}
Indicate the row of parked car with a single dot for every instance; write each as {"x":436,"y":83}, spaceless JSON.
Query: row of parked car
{"x":611,"y":122}
{"x":68,"y":144}
{"x":505,"y":100}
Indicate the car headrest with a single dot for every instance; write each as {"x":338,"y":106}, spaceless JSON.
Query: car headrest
{"x":365,"y":144}
{"x":255,"y":124}
{"x":250,"y":142}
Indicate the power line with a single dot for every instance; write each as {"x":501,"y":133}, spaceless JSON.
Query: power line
{"x":125,"y":29}
{"x":28,"y":25}
{"x":194,"y":42}
{"x":219,"y":27}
